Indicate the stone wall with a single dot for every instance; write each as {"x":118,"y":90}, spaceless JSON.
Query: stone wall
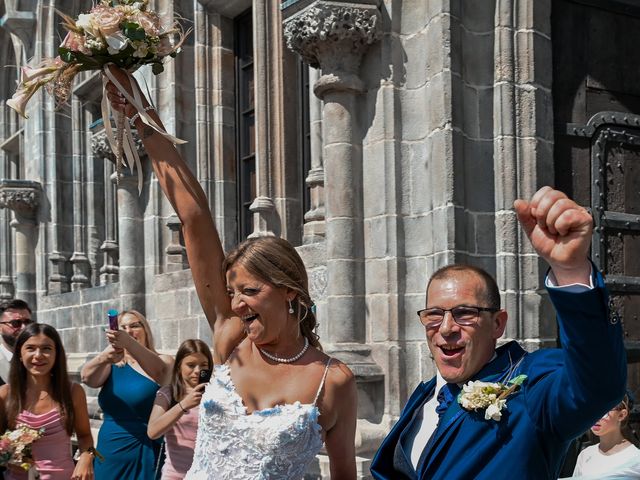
{"x":428,"y":119}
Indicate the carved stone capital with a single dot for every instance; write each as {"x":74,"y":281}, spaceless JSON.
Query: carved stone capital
{"x":333,"y":35}
{"x":21,"y":196}
{"x":100,"y":146}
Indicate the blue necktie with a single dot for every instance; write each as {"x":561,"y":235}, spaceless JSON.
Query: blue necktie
{"x":446,"y":396}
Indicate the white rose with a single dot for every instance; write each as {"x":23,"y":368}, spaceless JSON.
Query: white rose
{"x":493,"y":413}
{"x":86,"y":22}
{"x":116,"y":42}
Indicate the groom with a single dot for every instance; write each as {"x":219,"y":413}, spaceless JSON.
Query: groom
{"x":446,"y":433}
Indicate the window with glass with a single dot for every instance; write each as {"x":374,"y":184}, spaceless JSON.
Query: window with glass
{"x":245,"y":122}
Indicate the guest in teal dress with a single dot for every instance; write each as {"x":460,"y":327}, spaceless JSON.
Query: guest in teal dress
{"x":129,"y":371}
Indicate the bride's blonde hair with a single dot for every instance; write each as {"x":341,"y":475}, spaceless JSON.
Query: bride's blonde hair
{"x":275,"y":261}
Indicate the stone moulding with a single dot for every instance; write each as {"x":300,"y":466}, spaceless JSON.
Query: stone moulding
{"x":21,"y":196}
{"x":348,"y":28}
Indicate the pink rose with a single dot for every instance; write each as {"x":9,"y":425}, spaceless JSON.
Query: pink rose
{"x":165,"y":47}
{"x":107,"y":20}
{"x":75,"y":43}
{"x":149,"y":22}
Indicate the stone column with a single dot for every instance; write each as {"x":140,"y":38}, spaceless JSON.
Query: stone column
{"x":131,"y":237}
{"x":314,"y":227}
{"x":523,"y":156}
{"x":262,"y":207}
{"x":109,"y":248}
{"x":334,"y":36}
{"x":24,"y":198}
{"x":6,"y":282}
{"x":80,"y":265}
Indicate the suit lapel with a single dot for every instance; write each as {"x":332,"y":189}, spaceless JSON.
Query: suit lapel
{"x":411,"y":411}
{"x":391,"y":449}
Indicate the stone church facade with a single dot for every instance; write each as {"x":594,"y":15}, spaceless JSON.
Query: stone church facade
{"x":383,"y":138}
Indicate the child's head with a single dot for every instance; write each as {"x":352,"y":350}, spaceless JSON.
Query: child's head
{"x":39,"y":352}
{"x":191,"y":357}
{"x":616,"y":420}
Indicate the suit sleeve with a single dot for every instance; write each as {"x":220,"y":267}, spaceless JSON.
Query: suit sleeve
{"x":591,"y":376}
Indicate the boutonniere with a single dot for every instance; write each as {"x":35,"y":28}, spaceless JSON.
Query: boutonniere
{"x":488,"y":396}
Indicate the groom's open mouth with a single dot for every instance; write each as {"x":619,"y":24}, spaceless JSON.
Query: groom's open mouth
{"x":449,"y":351}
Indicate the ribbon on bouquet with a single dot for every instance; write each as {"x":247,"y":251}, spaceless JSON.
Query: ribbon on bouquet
{"x":122,"y":141}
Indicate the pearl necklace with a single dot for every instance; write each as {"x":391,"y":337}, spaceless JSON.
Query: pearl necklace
{"x":286,"y":360}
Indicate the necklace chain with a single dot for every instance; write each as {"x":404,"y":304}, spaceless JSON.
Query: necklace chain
{"x":297,"y":356}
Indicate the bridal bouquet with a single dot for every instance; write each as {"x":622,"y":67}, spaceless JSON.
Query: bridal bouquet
{"x":120,"y":32}
{"x":15,"y":448}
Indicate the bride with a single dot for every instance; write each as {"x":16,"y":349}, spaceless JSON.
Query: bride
{"x":275,"y":396}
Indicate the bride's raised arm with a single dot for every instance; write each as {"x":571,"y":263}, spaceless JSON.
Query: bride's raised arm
{"x":202,"y":241}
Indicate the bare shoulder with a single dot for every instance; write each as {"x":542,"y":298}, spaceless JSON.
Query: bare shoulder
{"x":339,"y":375}
{"x":77,"y":392}
{"x":168,"y":359}
{"x":340,"y":384}
{"x":4,"y":392}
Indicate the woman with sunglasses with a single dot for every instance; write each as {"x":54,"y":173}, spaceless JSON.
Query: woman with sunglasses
{"x":616,"y":449}
{"x":275,"y":397}
{"x":128,"y":372}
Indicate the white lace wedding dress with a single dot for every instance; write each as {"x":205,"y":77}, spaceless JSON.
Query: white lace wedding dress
{"x":274,"y":443}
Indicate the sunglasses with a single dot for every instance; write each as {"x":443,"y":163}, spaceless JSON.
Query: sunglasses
{"x":17,"y":323}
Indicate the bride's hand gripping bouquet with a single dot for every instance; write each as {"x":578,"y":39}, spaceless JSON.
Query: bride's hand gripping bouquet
{"x":121,"y":32}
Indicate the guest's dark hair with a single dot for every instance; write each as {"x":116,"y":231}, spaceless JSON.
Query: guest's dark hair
{"x":491,"y":294}
{"x":14,"y":304}
{"x":60,"y":384}
{"x":188,"y":347}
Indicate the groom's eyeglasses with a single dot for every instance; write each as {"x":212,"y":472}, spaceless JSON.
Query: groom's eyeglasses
{"x":463,"y":315}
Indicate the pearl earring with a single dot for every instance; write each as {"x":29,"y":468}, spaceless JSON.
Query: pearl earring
{"x":290,"y":307}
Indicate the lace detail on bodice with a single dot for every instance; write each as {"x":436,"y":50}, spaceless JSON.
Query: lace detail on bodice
{"x":274,"y":443}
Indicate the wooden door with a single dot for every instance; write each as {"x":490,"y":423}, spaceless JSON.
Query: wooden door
{"x":596,"y":91}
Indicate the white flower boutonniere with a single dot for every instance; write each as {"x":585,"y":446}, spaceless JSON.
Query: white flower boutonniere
{"x":487,"y":396}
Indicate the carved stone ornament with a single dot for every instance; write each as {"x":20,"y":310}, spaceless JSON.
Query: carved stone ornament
{"x":101,"y":148}
{"x":333,"y":36}
{"x":21,"y":196}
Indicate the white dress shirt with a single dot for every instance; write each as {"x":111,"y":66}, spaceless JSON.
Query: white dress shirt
{"x":5,"y":352}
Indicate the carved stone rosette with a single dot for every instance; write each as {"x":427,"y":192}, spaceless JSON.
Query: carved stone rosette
{"x":21,"y":196}
{"x":333,"y":35}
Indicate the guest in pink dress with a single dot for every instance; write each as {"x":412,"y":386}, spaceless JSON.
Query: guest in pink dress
{"x":40,"y":395}
{"x":175,"y":411}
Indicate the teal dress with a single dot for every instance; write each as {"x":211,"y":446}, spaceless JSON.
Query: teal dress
{"x":126,"y":399}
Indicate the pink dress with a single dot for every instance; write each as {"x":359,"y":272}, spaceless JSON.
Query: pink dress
{"x":180,"y":441}
{"x":52,"y":451}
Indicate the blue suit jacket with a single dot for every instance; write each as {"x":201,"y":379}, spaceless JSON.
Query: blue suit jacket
{"x":566,"y":391}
